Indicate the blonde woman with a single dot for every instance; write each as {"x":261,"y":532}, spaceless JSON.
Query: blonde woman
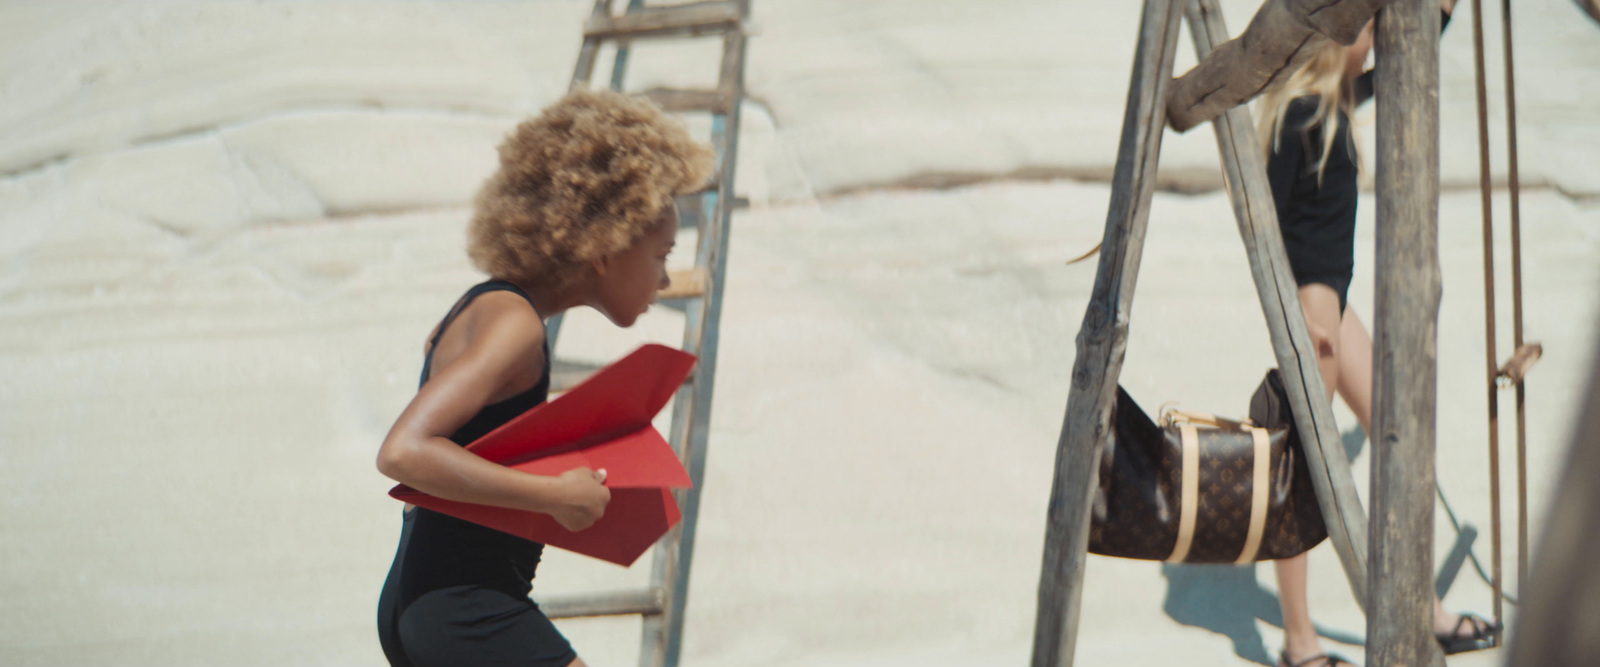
{"x":1313,"y":168}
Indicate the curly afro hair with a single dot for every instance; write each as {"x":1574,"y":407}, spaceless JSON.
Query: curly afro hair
{"x":584,"y":179}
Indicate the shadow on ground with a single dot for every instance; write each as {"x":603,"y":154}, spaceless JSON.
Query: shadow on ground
{"x":1227,"y":599}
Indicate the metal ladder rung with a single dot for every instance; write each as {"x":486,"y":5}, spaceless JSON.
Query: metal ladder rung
{"x":649,"y":601}
{"x":687,"y":284}
{"x":715,"y":184}
{"x":562,"y":381}
{"x":678,"y":100}
{"x":695,"y":18}
{"x":690,"y":216}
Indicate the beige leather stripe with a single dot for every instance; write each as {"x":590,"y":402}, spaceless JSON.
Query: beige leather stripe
{"x":1258,"y":496}
{"x":1203,"y":419}
{"x":1189,"y":500}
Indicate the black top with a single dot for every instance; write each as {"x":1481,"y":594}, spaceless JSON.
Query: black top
{"x":491,"y":416}
{"x":1317,"y":214}
{"x":445,"y":551}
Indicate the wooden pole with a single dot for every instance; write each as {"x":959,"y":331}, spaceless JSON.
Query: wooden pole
{"x":1557,"y":626}
{"x":1405,"y":337}
{"x":1102,"y":340}
{"x":1590,"y":7}
{"x":1251,"y":194}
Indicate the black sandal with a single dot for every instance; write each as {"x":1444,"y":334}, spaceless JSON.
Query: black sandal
{"x":1485,"y":635}
{"x":1328,"y":660}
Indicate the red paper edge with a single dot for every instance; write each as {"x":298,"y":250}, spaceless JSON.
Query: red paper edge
{"x":665,"y":392}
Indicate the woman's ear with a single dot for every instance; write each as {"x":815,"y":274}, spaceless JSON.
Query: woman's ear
{"x":599,"y":265}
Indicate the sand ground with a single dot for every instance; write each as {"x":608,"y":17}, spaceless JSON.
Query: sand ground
{"x":225,"y":229}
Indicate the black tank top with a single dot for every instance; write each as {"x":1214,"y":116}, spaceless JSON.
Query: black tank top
{"x":444,"y":551}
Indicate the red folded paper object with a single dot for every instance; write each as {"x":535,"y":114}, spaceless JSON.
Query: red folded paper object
{"x":604,"y":422}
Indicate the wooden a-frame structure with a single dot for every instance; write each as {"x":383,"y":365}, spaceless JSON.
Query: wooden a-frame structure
{"x":1397,"y":596}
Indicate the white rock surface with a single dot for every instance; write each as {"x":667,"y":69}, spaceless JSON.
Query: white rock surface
{"x":225,"y":229}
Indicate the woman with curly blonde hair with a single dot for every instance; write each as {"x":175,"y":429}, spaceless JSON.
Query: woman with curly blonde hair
{"x":579,"y":213}
{"x":1313,"y":168}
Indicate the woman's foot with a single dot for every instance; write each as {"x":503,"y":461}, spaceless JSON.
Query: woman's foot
{"x":1313,"y":660}
{"x":1459,"y":633}
{"x":1304,"y":649}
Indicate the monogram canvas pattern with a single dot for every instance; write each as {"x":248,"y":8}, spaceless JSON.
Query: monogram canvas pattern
{"x":1138,"y":496}
{"x":1227,"y":459}
{"x":1137,"y":504}
{"x":1294,"y":519}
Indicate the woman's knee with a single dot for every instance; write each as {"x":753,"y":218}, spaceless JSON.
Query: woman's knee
{"x":1326,"y":343}
{"x":1323,"y":317}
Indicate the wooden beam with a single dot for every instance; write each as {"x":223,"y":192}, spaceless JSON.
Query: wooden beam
{"x":1405,"y":337}
{"x":694,"y":18}
{"x":618,"y":603}
{"x":1340,"y":20}
{"x":686,"y":284}
{"x":1244,"y":166}
{"x":564,"y":375}
{"x":713,"y":185}
{"x":1102,"y":340}
{"x":678,"y":100}
{"x":1281,"y":36}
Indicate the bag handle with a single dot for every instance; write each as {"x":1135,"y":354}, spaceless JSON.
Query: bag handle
{"x":1170,"y":416}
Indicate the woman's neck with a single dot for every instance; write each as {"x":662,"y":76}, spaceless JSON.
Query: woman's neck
{"x":551,"y":302}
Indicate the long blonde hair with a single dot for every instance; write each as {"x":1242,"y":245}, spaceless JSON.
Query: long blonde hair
{"x":1322,"y":75}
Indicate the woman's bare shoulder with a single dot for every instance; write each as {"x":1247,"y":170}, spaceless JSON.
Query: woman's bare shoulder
{"x":499,"y":333}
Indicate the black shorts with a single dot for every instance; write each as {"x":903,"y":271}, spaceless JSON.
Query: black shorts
{"x":473,"y":626}
{"x":1339,"y":282}
{"x":465,"y":625}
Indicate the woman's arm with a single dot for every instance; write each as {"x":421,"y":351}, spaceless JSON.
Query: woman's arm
{"x":418,"y":453}
{"x":1364,"y":83}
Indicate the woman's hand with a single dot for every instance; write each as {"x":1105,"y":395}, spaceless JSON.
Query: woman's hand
{"x":584,"y":498}
{"x":502,"y":358}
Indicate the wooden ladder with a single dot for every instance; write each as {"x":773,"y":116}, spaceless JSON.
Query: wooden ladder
{"x":1229,"y":73}
{"x":697,"y":292}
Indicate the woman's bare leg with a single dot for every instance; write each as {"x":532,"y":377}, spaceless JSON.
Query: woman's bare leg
{"x":1355,"y":387}
{"x":1299,"y":633}
{"x":1321,"y":306}
{"x":1355,"y":368}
